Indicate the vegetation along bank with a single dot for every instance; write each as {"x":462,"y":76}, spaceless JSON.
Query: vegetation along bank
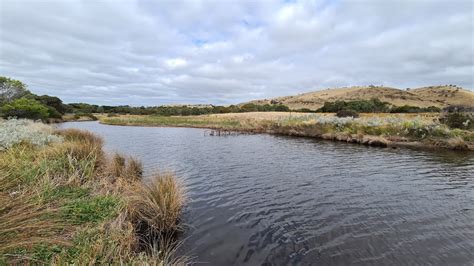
{"x":66,"y":202}
{"x":453,"y":131}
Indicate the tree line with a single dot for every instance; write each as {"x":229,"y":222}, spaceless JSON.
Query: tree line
{"x":174,"y":110}
{"x":17,"y":101}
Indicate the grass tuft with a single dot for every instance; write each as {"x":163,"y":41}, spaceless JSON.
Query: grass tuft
{"x":156,"y":207}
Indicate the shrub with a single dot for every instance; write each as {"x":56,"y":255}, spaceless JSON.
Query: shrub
{"x":458,"y":120}
{"x":347,"y":113}
{"x":364,"y":106}
{"x":414,"y":109}
{"x":25,"y":108}
{"x":53,"y":113}
{"x":93,"y":117}
{"x":89,"y":115}
{"x":14,"y":131}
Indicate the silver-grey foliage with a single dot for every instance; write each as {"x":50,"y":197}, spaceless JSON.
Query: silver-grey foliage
{"x":14,"y":131}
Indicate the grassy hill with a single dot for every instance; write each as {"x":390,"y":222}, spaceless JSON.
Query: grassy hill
{"x":439,"y":96}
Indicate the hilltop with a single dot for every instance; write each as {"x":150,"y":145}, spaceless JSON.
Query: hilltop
{"x":439,"y":96}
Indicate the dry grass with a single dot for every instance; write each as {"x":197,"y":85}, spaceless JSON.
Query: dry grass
{"x":157,"y":205}
{"x":24,"y":223}
{"x":124,"y":169}
{"x":439,"y":96}
{"x":67,"y":203}
{"x":457,"y":143}
{"x":80,"y":136}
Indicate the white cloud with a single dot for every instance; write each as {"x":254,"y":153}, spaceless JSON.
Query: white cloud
{"x":144,"y":52}
{"x":176,"y":63}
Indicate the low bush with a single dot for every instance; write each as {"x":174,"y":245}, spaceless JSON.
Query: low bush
{"x":15,"y":131}
{"x":363,"y":106}
{"x":347,"y":113}
{"x":458,"y":120}
{"x":414,"y":109}
{"x":92,"y":117}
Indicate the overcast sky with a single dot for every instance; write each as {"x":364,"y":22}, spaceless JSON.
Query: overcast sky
{"x":228,"y":51}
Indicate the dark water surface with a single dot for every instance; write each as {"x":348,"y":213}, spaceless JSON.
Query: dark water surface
{"x":262,"y":199}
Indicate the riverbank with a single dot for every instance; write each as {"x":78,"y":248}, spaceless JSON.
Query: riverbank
{"x":66,"y":202}
{"x":384,"y":130}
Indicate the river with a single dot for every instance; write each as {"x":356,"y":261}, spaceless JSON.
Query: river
{"x":272,"y":200}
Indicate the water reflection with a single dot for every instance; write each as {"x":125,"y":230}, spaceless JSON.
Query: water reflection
{"x":279,"y":200}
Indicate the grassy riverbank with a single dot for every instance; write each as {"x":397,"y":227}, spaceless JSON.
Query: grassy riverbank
{"x":65,"y":202}
{"x":420,"y":130}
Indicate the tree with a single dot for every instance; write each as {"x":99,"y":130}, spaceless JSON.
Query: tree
{"x":11,"y":89}
{"x":53,"y":102}
{"x":249,"y":107}
{"x":25,"y":108}
{"x":282,"y":108}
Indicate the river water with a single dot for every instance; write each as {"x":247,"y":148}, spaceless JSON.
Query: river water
{"x":272,"y":200}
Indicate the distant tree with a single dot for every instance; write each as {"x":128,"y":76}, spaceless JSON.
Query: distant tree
{"x":249,"y":107}
{"x":11,"y":89}
{"x":281,"y":108}
{"x":25,"y":108}
{"x":53,"y":102}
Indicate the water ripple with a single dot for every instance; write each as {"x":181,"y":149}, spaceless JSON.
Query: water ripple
{"x":261,"y":199}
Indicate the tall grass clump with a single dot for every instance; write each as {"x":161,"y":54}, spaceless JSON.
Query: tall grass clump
{"x":156,"y":207}
{"x":124,"y":169}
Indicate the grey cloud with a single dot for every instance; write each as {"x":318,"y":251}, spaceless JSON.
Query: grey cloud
{"x":148,"y":53}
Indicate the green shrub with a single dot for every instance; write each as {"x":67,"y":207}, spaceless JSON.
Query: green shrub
{"x":25,"y":108}
{"x":52,"y":102}
{"x":347,"y":113}
{"x":363,"y":106}
{"x":458,"y":120}
{"x":53,"y":113}
{"x":91,"y":116}
{"x":414,"y":109}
